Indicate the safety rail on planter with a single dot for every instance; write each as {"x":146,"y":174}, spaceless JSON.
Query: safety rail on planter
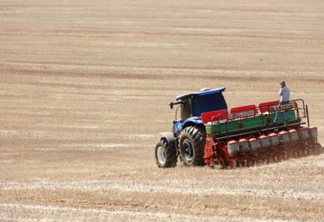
{"x":250,"y":116}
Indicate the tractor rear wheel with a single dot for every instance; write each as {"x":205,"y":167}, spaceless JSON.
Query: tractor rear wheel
{"x":192,"y":144}
{"x":165,"y":156}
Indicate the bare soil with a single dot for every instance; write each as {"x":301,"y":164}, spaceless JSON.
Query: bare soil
{"x":85,"y":88}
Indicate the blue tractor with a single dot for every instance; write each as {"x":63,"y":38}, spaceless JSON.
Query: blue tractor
{"x":187,"y":138}
{"x":206,"y":131}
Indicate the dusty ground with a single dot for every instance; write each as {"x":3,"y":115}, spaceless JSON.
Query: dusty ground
{"x":85,"y":89}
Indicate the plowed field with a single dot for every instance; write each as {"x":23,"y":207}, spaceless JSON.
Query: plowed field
{"x":85,"y":88}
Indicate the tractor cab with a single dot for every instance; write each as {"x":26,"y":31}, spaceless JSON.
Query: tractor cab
{"x":192,"y":105}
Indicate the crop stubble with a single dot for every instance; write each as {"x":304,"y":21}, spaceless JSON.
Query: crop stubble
{"x":85,"y":89}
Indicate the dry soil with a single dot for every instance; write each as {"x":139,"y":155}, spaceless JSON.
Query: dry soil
{"x":85,"y":88}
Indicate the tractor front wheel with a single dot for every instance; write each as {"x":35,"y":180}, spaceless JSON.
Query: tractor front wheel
{"x":192,"y":143}
{"x":165,"y":156}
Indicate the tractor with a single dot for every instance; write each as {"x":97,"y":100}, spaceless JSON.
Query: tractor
{"x":206,"y":132}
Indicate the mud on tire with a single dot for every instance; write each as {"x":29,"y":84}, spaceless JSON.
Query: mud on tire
{"x":165,"y":156}
{"x":192,"y":143}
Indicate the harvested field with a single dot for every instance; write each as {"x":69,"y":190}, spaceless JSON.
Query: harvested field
{"x":85,"y":88}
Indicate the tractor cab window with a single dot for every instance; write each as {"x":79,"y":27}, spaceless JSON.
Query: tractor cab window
{"x":186,"y":109}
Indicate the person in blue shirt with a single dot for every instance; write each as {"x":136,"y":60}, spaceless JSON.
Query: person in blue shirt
{"x":284,"y":93}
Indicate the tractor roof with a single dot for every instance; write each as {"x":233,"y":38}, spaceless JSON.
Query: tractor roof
{"x":201,"y":93}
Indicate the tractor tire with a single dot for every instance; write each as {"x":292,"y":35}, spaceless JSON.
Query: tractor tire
{"x":192,"y":144}
{"x":165,"y":156}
